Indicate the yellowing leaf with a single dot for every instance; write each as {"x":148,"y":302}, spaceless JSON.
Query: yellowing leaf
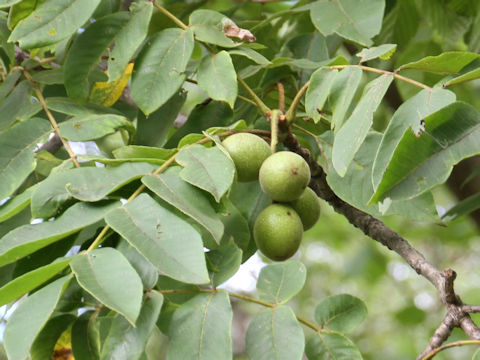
{"x":63,"y":347}
{"x":107,"y":93}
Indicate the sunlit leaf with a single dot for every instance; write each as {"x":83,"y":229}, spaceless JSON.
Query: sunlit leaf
{"x":358,"y":21}
{"x":201,"y":328}
{"x":52,"y":21}
{"x":159,"y":69}
{"x":186,"y":198}
{"x":278,"y":283}
{"x":172,"y":245}
{"x":341,"y":313}
{"x":352,"y":134}
{"x":108,"y":276}
{"x":447,"y":63}
{"x":207,"y":168}
{"x":275,"y":334}
{"x":322,"y":346}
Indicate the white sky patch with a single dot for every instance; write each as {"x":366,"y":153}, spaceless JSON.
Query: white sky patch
{"x":245,"y":280}
{"x":398,"y":270}
{"x":424,"y":301}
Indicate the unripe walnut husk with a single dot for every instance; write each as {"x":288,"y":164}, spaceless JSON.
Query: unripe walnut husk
{"x":248,"y":152}
{"x":307,"y":207}
{"x":278,"y":232}
{"x":284,"y":176}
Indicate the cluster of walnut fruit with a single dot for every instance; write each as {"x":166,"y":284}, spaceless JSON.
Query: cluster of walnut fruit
{"x":284,"y":177}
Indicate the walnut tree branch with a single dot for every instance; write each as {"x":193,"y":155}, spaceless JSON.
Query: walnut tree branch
{"x":456,"y":316}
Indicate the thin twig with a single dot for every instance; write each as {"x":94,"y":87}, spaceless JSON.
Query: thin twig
{"x":292,"y":110}
{"x":40,"y":97}
{"x":447,"y":346}
{"x":170,"y":16}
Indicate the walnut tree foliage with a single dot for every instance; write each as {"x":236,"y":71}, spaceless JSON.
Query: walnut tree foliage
{"x":130,"y":242}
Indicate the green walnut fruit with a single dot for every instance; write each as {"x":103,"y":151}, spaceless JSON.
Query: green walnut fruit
{"x":278,"y":232}
{"x":113,"y":141}
{"x":307,"y":207}
{"x":248,"y":152}
{"x":284,"y":176}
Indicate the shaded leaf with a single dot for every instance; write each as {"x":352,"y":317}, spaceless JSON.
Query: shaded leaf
{"x":383,"y":52}
{"x":67,"y":106}
{"x":87,"y":50}
{"x":275,"y":334}
{"x":29,"y":281}
{"x":186,"y":198}
{"x":13,"y":206}
{"x":26,"y":239}
{"x":84,"y":342}
{"x":144,"y":153}
{"x":154,"y":129}
{"x":356,"y":186}
{"x":85,"y":184}
{"x":323,"y":346}
{"x":147,"y":272}
{"x":201,"y":328}
{"x":91,"y":127}
{"x":30,"y":317}
{"x":207,"y":168}
{"x":464,"y":207}
{"x":352,"y":134}
{"x":49,"y":77}
{"x":172,"y":245}
{"x":250,"y":54}
{"x":19,"y":105}
{"x":128,"y":40}
{"x":217,"y":76}
{"x":125,"y":341}
{"x":207,"y":25}
{"x":341,"y":96}
{"x":45,"y":343}
{"x":409,"y":114}
{"x":469,"y":76}
{"x":279,"y":282}
{"x":341,"y":312}
{"x":159,"y":69}
{"x":318,"y":91}
{"x":108,"y":276}
{"x":17,"y":159}
{"x":358,"y":21}
{"x":52,"y":22}
{"x":224,"y":262}
{"x":423,"y":161}
{"x":447,"y":63}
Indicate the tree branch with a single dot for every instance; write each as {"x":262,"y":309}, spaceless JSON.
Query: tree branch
{"x":457,"y":314}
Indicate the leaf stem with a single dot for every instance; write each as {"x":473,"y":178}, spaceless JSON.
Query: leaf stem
{"x":385,"y":72}
{"x":242,"y":297}
{"x":170,"y":16}
{"x":432,"y":353}
{"x":40,"y":97}
{"x":292,"y":110}
{"x":260,"y":104}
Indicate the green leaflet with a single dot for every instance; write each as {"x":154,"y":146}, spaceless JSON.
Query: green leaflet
{"x":52,"y":22}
